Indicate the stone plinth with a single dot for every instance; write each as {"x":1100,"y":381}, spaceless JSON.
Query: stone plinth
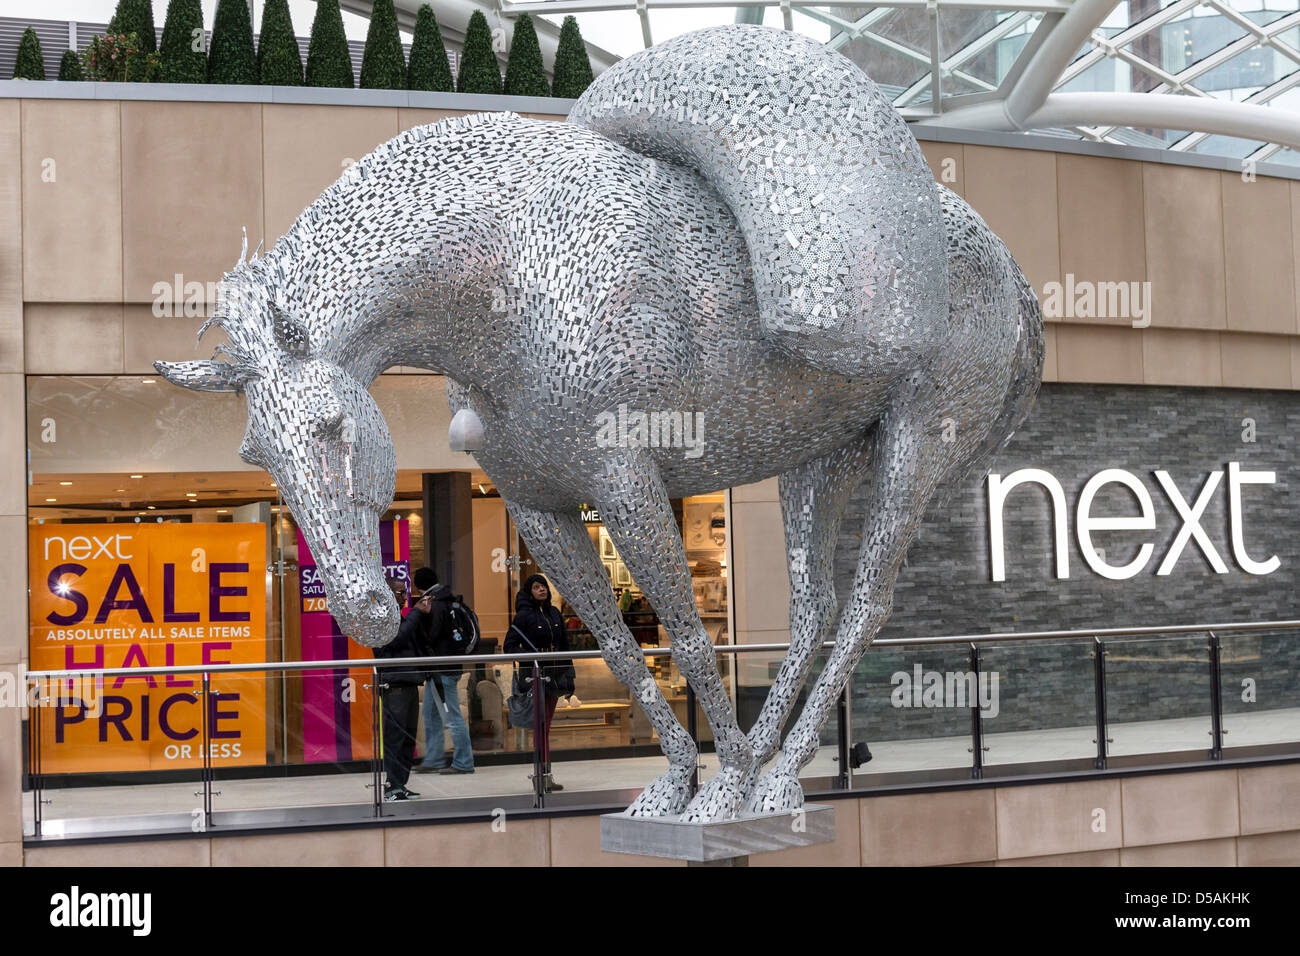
{"x":721,"y":840}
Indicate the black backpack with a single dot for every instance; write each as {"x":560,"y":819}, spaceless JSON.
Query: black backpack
{"x":464,"y":627}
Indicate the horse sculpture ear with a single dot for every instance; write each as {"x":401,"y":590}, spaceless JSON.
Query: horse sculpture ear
{"x":209,"y":376}
{"x":290,"y":333}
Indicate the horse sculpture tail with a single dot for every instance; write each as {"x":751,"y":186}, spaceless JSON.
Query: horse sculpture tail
{"x":827,"y":184}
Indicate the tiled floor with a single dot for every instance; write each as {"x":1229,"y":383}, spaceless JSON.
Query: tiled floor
{"x":631,"y":773}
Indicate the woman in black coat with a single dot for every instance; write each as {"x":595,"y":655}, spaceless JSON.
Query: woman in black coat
{"x":538,"y":627}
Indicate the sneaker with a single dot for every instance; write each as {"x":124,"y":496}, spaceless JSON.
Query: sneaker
{"x":451,"y":770}
{"x":430,"y":768}
{"x":393,"y":794}
{"x":550,"y":784}
{"x":410,"y":794}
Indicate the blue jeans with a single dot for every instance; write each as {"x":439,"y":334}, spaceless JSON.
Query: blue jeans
{"x":463,"y":751}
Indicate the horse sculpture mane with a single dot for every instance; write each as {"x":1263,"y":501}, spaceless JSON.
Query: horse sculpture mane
{"x":734,"y":228}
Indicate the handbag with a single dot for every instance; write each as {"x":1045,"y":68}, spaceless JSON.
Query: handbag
{"x":519,"y":708}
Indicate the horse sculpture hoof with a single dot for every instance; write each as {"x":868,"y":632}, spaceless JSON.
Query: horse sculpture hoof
{"x":777,"y":792}
{"x":666,"y":796}
{"x":719,"y":799}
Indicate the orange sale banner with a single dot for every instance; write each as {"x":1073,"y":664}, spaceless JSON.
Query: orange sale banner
{"x":137,"y":595}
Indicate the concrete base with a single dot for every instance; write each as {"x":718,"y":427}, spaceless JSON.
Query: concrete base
{"x":723,"y":840}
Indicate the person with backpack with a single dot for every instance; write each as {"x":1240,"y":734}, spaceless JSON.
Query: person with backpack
{"x":400,"y":700}
{"x":538,"y":627}
{"x":453,"y":630}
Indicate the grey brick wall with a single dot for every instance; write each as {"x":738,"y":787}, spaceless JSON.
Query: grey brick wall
{"x":1074,"y":432}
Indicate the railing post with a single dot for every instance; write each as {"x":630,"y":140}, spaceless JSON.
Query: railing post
{"x":842,"y":724}
{"x":976,"y":721}
{"x":206,"y":772}
{"x":692,"y":728}
{"x":377,"y":741}
{"x":1216,"y":698}
{"x":34,"y":728}
{"x":1099,"y":700}
{"x":540,"y":732}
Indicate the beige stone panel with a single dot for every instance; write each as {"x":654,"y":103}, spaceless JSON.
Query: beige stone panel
{"x":946,"y":161}
{"x":11,"y":239}
{"x":72,"y":201}
{"x":521,"y":843}
{"x":1195,"y":853}
{"x":1091,"y":858}
{"x":1098,"y":354}
{"x":408,"y":116}
{"x":1295,"y":240}
{"x":549,"y":117}
{"x":11,"y":765}
{"x":321,"y":848}
{"x":1058,"y":818}
{"x":760,"y":578}
{"x":13,"y":449}
{"x":1259,"y":254}
{"x":1102,"y":239}
{"x":170,"y":853}
{"x":306,"y":148}
{"x":1256,"y":361}
{"x":1014,"y":190}
{"x":1181,"y":357}
{"x":70,"y":339}
{"x":191,"y":181}
{"x":765,"y":490}
{"x":1268,"y":798}
{"x":1183,"y":208}
{"x":575,"y":841}
{"x":147,"y":338}
{"x":11,"y":854}
{"x":13,"y":591}
{"x":1269,"y":849}
{"x":1050,"y":346}
{"x":1180,"y":807}
{"x":1295,"y":363}
{"x":846,"y":850}
{"x":928,"y":829}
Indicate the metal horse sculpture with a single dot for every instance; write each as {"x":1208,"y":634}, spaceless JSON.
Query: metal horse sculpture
{"x":734,"y":224}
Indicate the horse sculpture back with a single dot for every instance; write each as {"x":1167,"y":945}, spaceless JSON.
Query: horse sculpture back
{"x":736,"y":229}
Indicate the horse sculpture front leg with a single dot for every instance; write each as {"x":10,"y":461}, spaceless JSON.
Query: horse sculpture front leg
{"x":639,"y":516}
{"x":560,"y":542}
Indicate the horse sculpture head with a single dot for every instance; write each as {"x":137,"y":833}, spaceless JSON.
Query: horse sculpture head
{"x":315,"y":428}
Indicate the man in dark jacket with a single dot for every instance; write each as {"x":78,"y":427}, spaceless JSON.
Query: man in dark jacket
{"x":401,"y":700}
{"x":441,"y":695}
{"x":538,"y":627}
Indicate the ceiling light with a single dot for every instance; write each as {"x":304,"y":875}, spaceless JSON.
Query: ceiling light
{"x":223,"y":511}
{"x":151,"y":507}
{"x":65,"y":482}
{"x":147,"y":381}
{"x":137,"y":476}
{"x":51,"y":499}
{"x":191,"y":494}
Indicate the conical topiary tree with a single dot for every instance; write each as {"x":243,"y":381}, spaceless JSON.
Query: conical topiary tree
{"x":30,"y":65}
{"x":278,"y":61}
{"x":328,"y":61}
{"x":184,"y":59}
{"x":429,"y":68}
{"x":572,"y":67}
{"x":478,"y":64}
{"x":525,"y":74}
{"x":70,"y":66}
{"x":135,"y":16}
{"x":231,"y":57}
{"x":383,"y":65}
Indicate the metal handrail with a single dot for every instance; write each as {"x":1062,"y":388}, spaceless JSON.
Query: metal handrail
{"x":385,"y":663}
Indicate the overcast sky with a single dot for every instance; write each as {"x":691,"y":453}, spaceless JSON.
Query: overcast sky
{"x":617,"y":31}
